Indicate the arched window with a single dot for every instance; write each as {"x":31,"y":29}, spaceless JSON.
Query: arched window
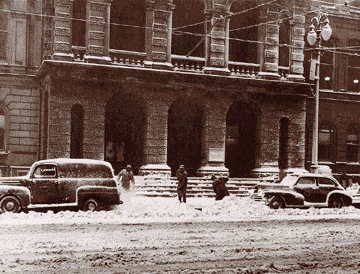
{"x":352,"y":144}
{"x":77,"y":131}
{"x":327,"y":146}
{"x":284,"y":143}
{"x":2,"y":130}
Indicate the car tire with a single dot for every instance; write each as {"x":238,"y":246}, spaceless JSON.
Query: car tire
{"x":276,"y":203}
{"x":90,"y":205}
{"x":10,"y":204}
{"x":336,"y":202}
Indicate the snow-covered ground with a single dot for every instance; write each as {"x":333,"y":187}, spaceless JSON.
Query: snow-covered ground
{"x":140,"y":209}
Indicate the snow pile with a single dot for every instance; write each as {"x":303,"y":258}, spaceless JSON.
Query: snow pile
{"x":139,"y":209}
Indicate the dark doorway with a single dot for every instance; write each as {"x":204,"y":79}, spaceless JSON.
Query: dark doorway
{"x":124,"y":132}
{"x":184,"y":136}
{"x":241,"y":136}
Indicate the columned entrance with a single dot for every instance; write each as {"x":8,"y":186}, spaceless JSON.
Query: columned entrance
{"x":124,"y":132}
{"x":241,"y":139}
{"x":184,"y":135}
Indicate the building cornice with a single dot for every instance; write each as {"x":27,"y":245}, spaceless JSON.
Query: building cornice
{"x":90,"y":72}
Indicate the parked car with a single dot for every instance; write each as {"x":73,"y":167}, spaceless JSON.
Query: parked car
{"x":82,"y":183}
{"x":304,"y":190}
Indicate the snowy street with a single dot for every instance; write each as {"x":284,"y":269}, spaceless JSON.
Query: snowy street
{"x":159,"y":235}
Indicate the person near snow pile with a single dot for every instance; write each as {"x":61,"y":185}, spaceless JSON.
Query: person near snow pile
{"x":181,"y":175}
{"x":125,"y":177}
{"x":220,"y":187}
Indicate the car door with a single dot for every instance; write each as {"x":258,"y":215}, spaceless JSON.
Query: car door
{"x":44,"y":185}
{"x":326,"y":185}
{"x":308,"y":188}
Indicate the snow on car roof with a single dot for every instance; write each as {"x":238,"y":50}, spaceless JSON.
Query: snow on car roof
{"x":68,"y":160}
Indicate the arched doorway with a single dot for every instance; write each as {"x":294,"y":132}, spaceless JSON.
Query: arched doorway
{"x":184,"y":136}
{"x":124,"y":132}
{"x":241,"y":139}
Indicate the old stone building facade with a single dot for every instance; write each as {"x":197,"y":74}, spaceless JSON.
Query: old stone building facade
{"x":217,"y":85}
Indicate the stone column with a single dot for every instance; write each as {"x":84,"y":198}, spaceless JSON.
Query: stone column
{"x":62,"y":33}
{"x":158,"y":34}
{"x":213,"y":138}
{"x":97,"y":31}
{"x":270,"y":65}
{"x":297,"y":49}
{"x":155,"y":135}
{"x":217,"y":37}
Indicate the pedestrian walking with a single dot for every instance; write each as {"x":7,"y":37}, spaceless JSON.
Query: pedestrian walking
{"x":219,"y":187}
{"x":125,"y":177}
{"x":181,"y":175}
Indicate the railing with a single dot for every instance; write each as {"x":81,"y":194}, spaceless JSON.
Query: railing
{"x":127,"y":58}
{"x":283,"y":71}
{"x":188,"y":64}
{"x":243,"y":69}
{"x":179,"y":62}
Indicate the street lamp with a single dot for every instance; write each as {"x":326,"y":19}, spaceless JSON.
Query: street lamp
{"x":323,"y":30}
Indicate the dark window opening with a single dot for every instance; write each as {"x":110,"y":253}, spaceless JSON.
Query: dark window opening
{"x":77,"y":131}
{"x":79,"y":23}
{"x":127,"y":29}
{"x":242,"y":32}
{"x":284,"y":42}
{"x":326,"y":148}
{"x":353,"y":66}
{"x":188,"y":13}
{"x":352,"y":144}
{"x":284,"y":143}
{"x":2,"y":130}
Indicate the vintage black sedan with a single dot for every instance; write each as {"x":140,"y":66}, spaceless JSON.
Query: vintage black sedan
{"x":305,"y":190}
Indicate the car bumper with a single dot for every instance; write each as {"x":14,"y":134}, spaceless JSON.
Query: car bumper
{"x":356,"y":199}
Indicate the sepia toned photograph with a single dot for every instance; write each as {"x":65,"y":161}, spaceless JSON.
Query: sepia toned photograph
{"x":179,"y":136}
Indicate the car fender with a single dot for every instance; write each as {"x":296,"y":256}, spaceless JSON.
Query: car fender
{"x":342,"y":194}
{"x":107,"y":195}
{"x":20,"y":192}
{"x":290,"y":197}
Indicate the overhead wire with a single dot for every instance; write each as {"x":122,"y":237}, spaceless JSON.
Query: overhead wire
{"x":177,"y":32}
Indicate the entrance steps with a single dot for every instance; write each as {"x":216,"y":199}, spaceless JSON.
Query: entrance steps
{"x":197,"y":186}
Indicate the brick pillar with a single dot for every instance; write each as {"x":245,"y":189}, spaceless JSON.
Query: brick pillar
{"x":213,"y":138}
{"x":155,"y":135}
{"x":97,"y":31}
{"x":158,"y":34}
{"x":62,"y":33}
{"x":217,"y":38}
{"x":270,"y":65}
{"x":297,"y":49}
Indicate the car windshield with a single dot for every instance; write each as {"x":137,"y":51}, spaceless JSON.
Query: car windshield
{"x":289,"y":180}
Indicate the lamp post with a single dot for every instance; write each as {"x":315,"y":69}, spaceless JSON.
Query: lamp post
{"x":323,"y":30}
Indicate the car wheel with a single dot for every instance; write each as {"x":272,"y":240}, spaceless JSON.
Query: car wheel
{"x":276,"y":203}
{"x":10,"y":204}
{"x":90,"y":205}
{"x":336,"y":202}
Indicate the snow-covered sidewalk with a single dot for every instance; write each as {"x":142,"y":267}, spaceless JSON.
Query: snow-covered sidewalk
{"x":139,"y":209}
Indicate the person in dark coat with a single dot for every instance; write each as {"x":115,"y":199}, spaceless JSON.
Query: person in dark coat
{"x":220,"y":187}
{"x":181,"y":175}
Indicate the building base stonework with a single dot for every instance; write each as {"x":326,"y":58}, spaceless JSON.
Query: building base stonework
{"x":208,"y":171}
{"x":154,"y":169}
{"x":275,"y":173}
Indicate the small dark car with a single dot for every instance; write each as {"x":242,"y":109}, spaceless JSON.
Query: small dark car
{"x":305,"y":190}
{"x":61,"y":183}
